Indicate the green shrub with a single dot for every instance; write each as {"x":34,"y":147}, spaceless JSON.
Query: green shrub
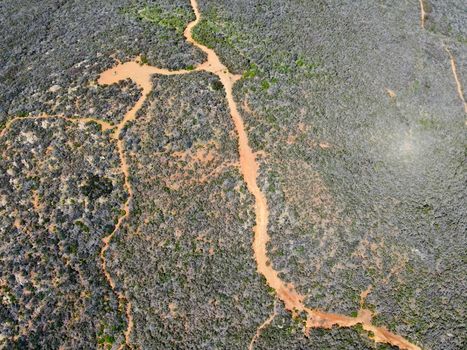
{"x":176,"y":19}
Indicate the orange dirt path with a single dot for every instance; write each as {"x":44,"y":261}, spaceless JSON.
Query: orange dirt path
{"x":249,"y":167}
{"x":460,"y":90}
{"x":293,"y":301}
{"x":141,"y":76}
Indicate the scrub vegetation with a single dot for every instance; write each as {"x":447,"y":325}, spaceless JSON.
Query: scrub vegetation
{"x":359,"y":129}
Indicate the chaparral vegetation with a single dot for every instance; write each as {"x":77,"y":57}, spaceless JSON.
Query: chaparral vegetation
{"x":199,"y":174}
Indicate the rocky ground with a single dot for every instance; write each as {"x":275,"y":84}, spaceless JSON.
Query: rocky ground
{"x":354,"y":109}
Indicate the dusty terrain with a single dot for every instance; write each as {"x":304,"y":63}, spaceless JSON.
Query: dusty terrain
{"x":192,"y":174}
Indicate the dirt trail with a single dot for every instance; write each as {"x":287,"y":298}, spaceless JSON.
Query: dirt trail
{"x":459,"y":87}
{"x":460,"y":90}
{"x":249,"y":167}
{"x":293,"y":301}
{"x":141,"y":76}
{"x":106,"y":240}
{"x":263,"y":325}
{"x":422,"y":14}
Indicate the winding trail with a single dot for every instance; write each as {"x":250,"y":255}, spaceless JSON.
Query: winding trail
{"x":460,"y":90}
{"x":263,"y":325}
{"x":293,"y":301}
{"x":141,"y":76}
{"x":106,"y":240}
{"x":249,"y":167}
{"x":459,"y":87}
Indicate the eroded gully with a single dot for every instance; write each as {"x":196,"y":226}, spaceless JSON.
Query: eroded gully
{"x":293,"y":301}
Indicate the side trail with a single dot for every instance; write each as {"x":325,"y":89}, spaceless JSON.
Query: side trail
{"x":460,"y":89}
{"x":455,"y":74}
{"x":293,"y":301}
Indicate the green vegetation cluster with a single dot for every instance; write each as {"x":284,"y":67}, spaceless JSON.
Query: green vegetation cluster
{"x":154,"y":14}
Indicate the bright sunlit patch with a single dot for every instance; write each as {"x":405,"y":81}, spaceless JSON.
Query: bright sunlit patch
{"x":407,"y":151}
{"x":404,"y":147}
{"x":407,"y":147}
